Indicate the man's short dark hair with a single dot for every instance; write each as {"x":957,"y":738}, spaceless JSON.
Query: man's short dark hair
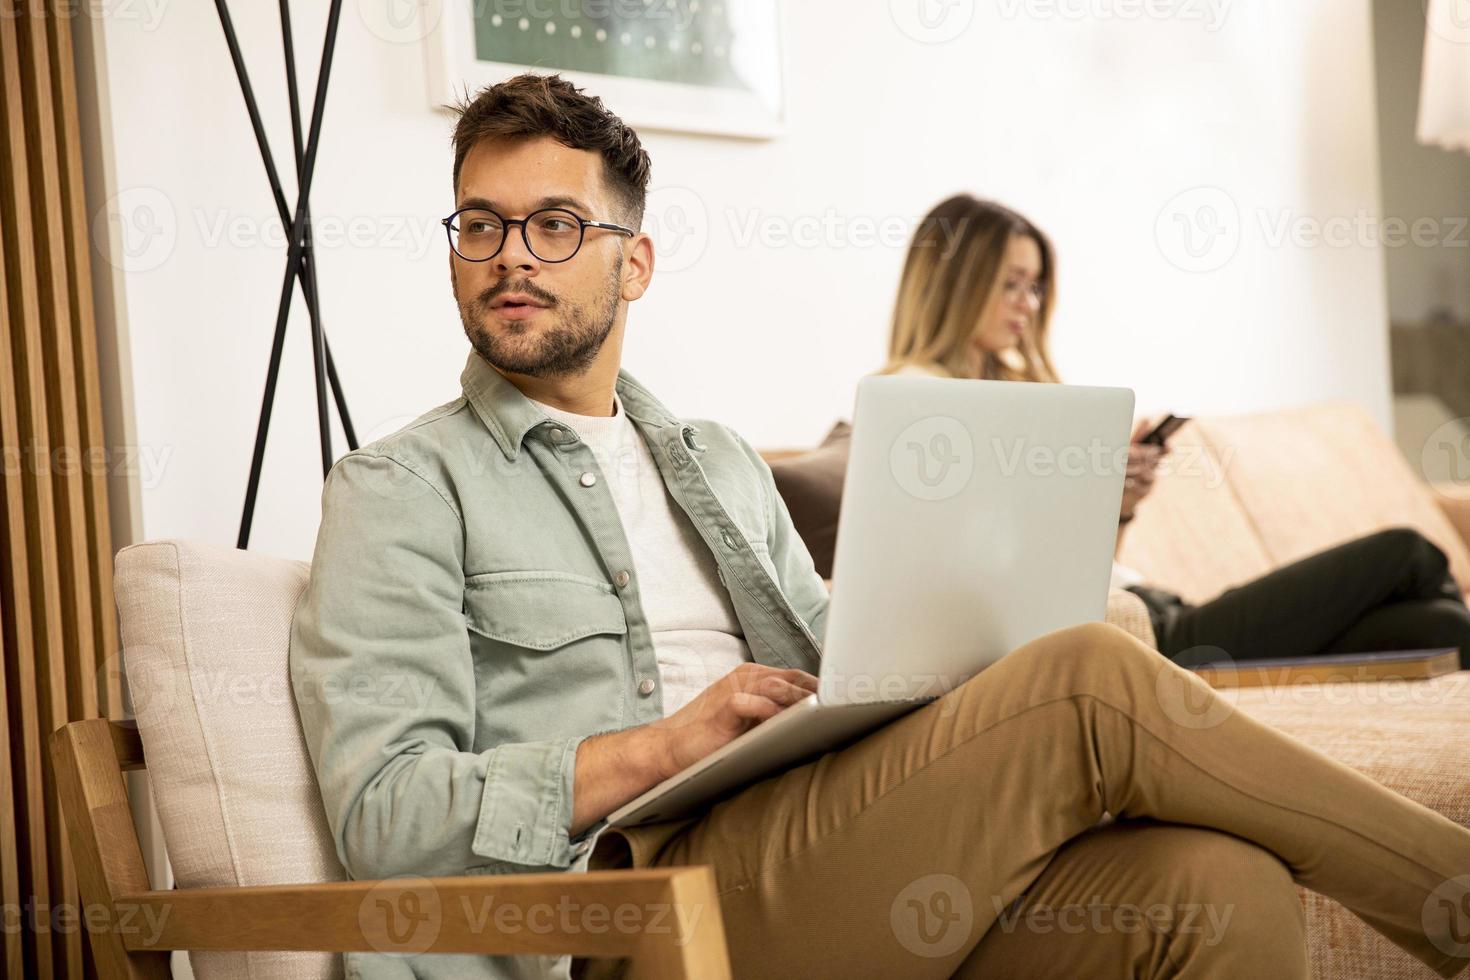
{"x":532,"y":105}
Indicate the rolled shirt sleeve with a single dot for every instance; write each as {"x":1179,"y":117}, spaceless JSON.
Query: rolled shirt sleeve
{"x":384,"y":679}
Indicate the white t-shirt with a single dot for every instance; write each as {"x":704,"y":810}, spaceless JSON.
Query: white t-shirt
{"x":697,"y":638}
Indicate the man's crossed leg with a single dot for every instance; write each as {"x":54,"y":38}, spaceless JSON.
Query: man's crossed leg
{"x":958,"y":839}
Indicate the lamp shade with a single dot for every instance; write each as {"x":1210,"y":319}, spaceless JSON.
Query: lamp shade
{"x":1444,"y":93}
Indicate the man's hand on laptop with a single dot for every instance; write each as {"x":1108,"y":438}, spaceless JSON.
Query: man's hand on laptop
{"x":617,"y":767}
{"x":728,"y":708}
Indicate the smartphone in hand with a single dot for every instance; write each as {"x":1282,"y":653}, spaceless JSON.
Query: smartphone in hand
{"x":1159,"y":434}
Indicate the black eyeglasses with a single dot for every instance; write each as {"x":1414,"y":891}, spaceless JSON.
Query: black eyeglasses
{"x":551,"y":234}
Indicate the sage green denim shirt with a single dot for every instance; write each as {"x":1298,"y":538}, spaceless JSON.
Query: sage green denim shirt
{"x":463,"y":631}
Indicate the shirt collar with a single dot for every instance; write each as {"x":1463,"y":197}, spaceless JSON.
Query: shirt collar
{"x":509,"y":415}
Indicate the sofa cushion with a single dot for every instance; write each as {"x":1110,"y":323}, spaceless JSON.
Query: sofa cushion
{"x":1239,"y":496}
{"x":1191,"y":535}
{"x":810,"y":485}
{"x":205,"y":632}
{"x":1313,"y":477}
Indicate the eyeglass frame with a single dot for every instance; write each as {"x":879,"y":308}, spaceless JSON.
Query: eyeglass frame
{"x":582,"y":225}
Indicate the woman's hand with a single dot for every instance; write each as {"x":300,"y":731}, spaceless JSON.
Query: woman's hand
{"x":1143,"y":465}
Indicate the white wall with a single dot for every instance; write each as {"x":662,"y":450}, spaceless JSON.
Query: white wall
{"x":1420,"y":183}
{"x":1100,"y":125}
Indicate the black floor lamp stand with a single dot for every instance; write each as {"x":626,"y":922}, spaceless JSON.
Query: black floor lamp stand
{"x":300,"y":258}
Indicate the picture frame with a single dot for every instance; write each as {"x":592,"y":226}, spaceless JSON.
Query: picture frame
{"x":711,"y":67}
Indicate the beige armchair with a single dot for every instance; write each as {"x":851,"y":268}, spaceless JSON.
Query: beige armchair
{"x":259,"y":889}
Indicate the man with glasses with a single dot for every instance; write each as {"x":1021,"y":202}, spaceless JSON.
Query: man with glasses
{"x":546,"y":596}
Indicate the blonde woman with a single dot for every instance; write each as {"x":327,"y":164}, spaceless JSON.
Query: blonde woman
{"x":976,"y":300}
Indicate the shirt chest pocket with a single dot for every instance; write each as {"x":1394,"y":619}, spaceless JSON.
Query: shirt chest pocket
{"x":536,"y":637}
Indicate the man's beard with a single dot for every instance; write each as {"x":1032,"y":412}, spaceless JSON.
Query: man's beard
{"x":567,"y":346}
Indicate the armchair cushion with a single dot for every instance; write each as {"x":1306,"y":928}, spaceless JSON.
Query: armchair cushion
{"x":205,"y":633}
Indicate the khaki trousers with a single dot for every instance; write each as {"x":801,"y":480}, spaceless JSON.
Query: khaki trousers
{"x":972,"y":838}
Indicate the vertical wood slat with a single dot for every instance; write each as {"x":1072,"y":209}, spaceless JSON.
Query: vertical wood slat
{"x":10,"y":871}
{"x":29,"y":508}
{"x":56,"y":608}
{"x":84,"y":345}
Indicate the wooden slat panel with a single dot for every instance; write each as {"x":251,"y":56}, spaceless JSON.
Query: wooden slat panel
{"x":57,"y":956}
{"x":84,"y":347}
{"x":72,"y":692}
{"x":10,"y":871}
{"x":65,"y":455}
{"x":31,"y":612}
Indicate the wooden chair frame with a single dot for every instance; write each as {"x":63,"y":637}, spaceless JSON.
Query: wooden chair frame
{"x":677,"y":932}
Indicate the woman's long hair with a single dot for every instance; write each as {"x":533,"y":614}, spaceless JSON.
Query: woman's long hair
{"x":952,"y":279}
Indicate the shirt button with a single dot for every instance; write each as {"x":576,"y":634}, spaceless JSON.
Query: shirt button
{"x":557,"y":435}
{"x":588,"y":479}
{"x":622,"y":578}
{"x":646,"y":686}
{"x":729,"y":538}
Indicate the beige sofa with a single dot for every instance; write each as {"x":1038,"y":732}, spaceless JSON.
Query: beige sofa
{"x":1240,"y":496}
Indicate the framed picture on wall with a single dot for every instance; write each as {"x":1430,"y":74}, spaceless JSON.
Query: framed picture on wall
{"x":695,"y":66}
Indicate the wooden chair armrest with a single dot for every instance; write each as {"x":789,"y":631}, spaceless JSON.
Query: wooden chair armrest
{"x":666,"y":921}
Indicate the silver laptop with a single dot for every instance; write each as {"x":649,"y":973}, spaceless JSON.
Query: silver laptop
{"x":976,"y":516}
